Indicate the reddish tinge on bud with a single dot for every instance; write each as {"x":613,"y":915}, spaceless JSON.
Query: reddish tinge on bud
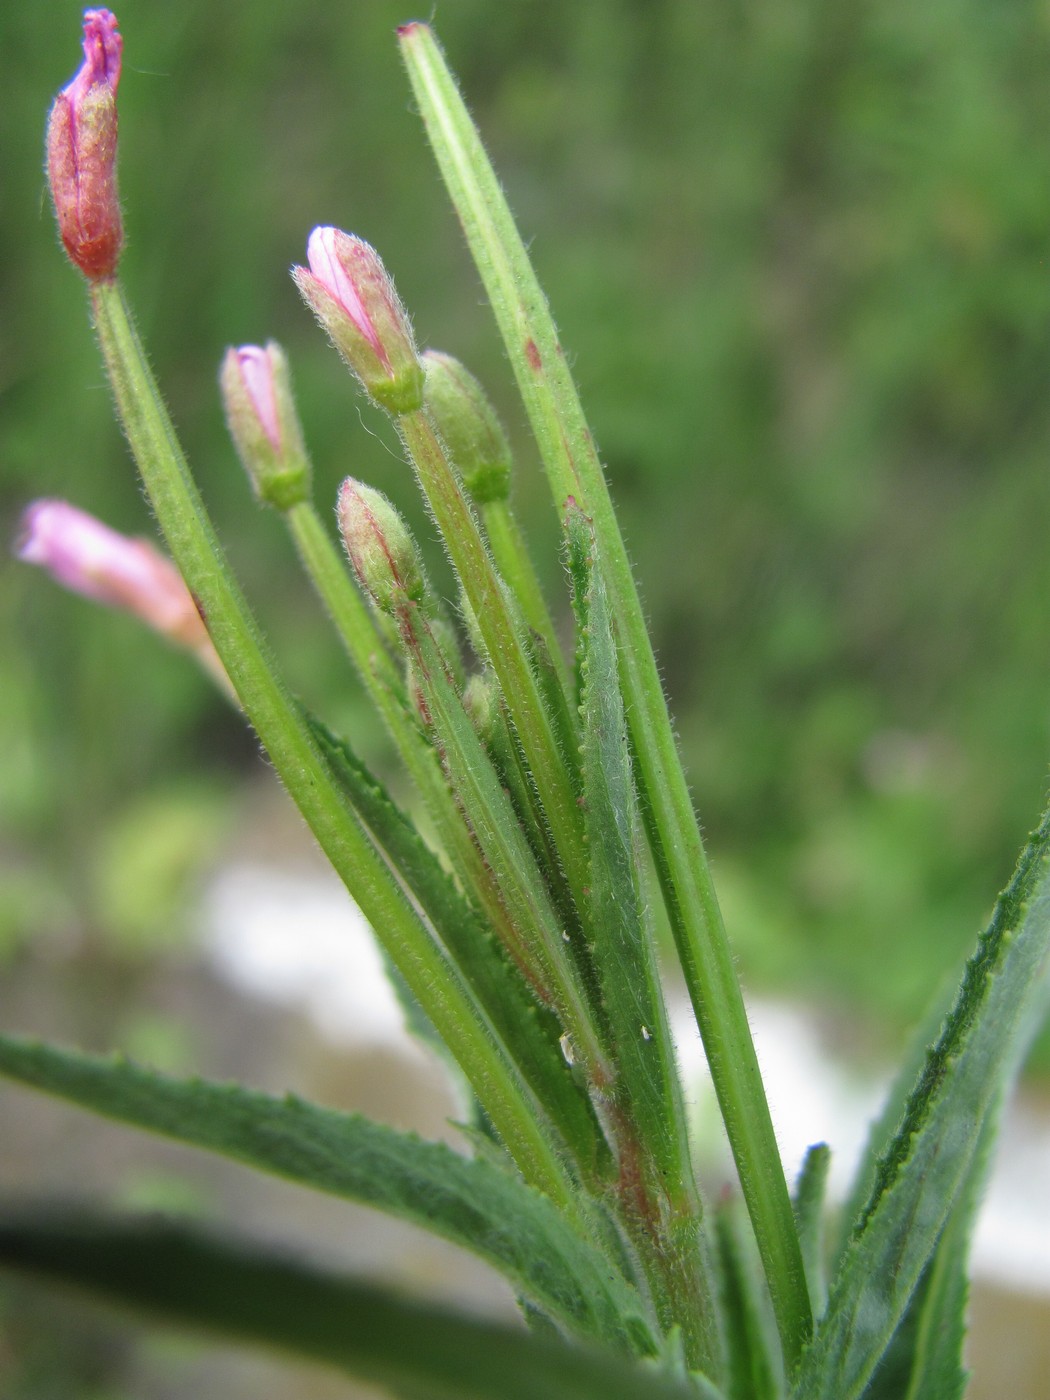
{"x":380,"y":547}
{"x":351,"y":294}
{"x":260,"y":411}
{"x":82,"y":153}
{"x":89,"y":558}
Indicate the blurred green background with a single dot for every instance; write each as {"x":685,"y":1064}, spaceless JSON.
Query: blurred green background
{"x":798,"y":252}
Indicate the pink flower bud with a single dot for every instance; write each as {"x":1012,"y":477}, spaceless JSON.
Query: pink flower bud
{"x":351,"y":294}
{"x":257,"y":395}
{"x":82,"y":152}
{"x":89,"y":558}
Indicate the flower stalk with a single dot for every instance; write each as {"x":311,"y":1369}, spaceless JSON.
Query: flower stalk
{"x":477,"y":446}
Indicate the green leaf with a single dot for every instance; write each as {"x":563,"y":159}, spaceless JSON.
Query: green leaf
{"x":809,"y":1217}
{"x":468,"y":1201}
{"x":653,"y":1142}
{"x":623,"y":952}
{"x":413,"y":1349}
{"x":933,"y":1152}
{"x":924,"y":1359}
{"x":883,"y":1127}
{"x":934,"y":1343}
{"x":530,"y":1034}
{"x":751,"y":1371}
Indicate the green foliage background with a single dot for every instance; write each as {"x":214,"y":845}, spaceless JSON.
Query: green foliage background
{"x":799,"y":253}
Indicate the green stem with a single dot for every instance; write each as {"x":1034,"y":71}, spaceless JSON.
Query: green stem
{"x":191,"y":537}
{"x":539,"y":940}
{"x":353,"y":618}
{"x":515,"y":564}
{"x":501,"y":633}
{"x":574,"y":469}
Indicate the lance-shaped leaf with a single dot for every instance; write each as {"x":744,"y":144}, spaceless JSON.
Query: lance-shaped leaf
{"x":924,"y":1361}
{"x":468,"y":1201}
{"x":937,"y":1370}
{"x":653,"y":1145}
{"x":412,"y":1349}
{"x":623,"y":948}
{"x":932,"y":1154}
{"x":885,"y":1124}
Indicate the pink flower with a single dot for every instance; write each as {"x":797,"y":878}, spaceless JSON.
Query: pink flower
{"x":82,"y":152}
{"x":89,"y":558}
{"x":256,"y":370}
{"x":351,"y":294}
{"x":335,"y":259}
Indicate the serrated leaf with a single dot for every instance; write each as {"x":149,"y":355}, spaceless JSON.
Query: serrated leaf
{"x":924,"y":1358}
{"x":468,"y":1201}
{"x":932,"y":1154}
{"x":652,"y":1140}
{"x":885,"y":1124}
{"x":530,"y":1033}
{"x":937,"y":1370}
{"x":414,"y":1350}
{"x":623,"y":950}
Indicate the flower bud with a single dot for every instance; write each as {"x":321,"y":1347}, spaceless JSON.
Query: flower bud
{"x":380,"y":546}
{"x":469,"y":428}
{"x":89,"y":558}
{"x":82,"y":153}
{"x":351,"y":294}
{"x":260,"y":413}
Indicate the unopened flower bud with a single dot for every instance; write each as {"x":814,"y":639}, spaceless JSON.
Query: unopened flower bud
{"x":351,"y":294}
{"x":380,"y":546}
{"x":89,"y":558}
{"x":469,"y":428}
{"x":260,"y":412}
{"x":82,"y":153}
